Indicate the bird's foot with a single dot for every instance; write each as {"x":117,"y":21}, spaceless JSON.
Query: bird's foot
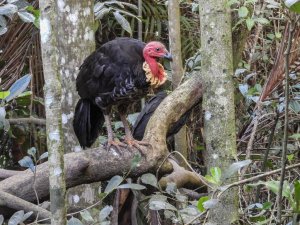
{"x":137,"y":144}
{"x":117,"y":144}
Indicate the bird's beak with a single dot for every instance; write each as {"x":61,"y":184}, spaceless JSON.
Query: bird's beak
{"x":168,"y":56}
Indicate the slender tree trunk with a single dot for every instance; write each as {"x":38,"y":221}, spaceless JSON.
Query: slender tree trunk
{"x":53,"y":111}
{"x":218,"y":99}
{"x":75,"y":41}
{"x":176,"y":65}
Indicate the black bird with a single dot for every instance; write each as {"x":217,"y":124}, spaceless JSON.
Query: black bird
{"x":141,"y":122}
{"x":118,"y":73}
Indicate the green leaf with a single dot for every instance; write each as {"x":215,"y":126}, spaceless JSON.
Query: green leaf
{"x":210,"y":179}
{"x":150,"y":179}
{"x":216,"y":174}
{"x":32,"y":151}
{"x":113,"y":183}
{"x":16,"y":218}
{"x":267,"y":205}
{"x":104,"y":213}
{"x":123,"y":22}
{"x":250,"y":23}
{"x":295,"y":136}
{"x":297,"y":195}
{"x":210,"y":204}
{"x":290,"y":157}
{"x":243,"y":12}
{"x":87,"y":216}
{"x":4,"y":94}
{"x":262,"y":20}
{"x":201,"y":201}
{"x":74,"y":221}
{"x":295,"y":106}
{"x":293,"y":5}
{"x":132,"y":186}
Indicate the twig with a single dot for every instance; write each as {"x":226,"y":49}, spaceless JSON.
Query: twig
{"x":286,"y":114}
{"x":27,"y":120}
{"x":248,"y":180}
{"x":270,"y":140}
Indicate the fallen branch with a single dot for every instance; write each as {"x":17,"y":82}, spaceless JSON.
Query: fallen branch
{"x":13,"y":202}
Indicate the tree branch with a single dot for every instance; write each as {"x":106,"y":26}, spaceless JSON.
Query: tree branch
{"x":99,"y":165}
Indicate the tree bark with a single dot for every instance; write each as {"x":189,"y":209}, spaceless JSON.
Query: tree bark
{"x":176,"y":66}
{"x":75,"y":41}
{"x":218,"y":99}
{"x":53,"y":111}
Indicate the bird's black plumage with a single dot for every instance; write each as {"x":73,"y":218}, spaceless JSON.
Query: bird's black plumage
{"x":143,"y":118}
{"x":111,"y":75}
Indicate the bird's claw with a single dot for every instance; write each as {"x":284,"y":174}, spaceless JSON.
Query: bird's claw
{"x":115,"y":143}
{"x":137,"y":144}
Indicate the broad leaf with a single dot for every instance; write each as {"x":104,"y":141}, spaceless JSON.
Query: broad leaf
{"x":158,"y":205}
{"x":250,"y":23}
{"x":210,"y":204}
{"x":113,"y":183}
{"x":16,"y":218}
{"x":132,"y":186}
{"x":3,"y":30}
{"x":27,"y":162}
{"x":293,"y":5}
{"x":262,"y":20}
{"x":26,"y":16}
{"x":8,"y":9}
{"x":44,"y":156}
{"x":150,"y":179}
{"x":27,"y":215}
{"x":99,"y":15}
{"x":87,"y":216}
{"x":243,"y":12}
{"x":123,"y":22}
{"x":135,"y":161}
{"x":235,"y":167}
{"x":74,"y":221}
{"x":200,"y":203}
{"x":18,"y":87}
{"x":3,"y":21}
{"x":104,"y":213}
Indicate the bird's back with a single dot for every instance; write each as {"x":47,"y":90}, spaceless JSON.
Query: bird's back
{"x":110,"y":67}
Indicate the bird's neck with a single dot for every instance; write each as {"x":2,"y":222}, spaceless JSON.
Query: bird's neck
{"x":155,"y":69}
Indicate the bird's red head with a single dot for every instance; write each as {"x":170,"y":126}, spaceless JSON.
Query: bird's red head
{"x":152,"y":51}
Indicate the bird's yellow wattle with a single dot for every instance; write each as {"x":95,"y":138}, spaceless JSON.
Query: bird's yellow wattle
{"x":155,"y":81}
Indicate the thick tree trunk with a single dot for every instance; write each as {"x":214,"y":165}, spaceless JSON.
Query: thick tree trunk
{"x":218,"y":99}
{"x":53,"y":112}
{"x":176,"y":66}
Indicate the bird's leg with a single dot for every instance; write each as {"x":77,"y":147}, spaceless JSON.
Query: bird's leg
{"x":128,"y":136}
{"x":110,"y":135}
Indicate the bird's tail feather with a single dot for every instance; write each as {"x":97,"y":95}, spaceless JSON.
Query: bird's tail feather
{"x":88,"y":120}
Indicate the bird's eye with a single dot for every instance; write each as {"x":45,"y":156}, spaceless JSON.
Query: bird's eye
{"x":157,"y":49}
